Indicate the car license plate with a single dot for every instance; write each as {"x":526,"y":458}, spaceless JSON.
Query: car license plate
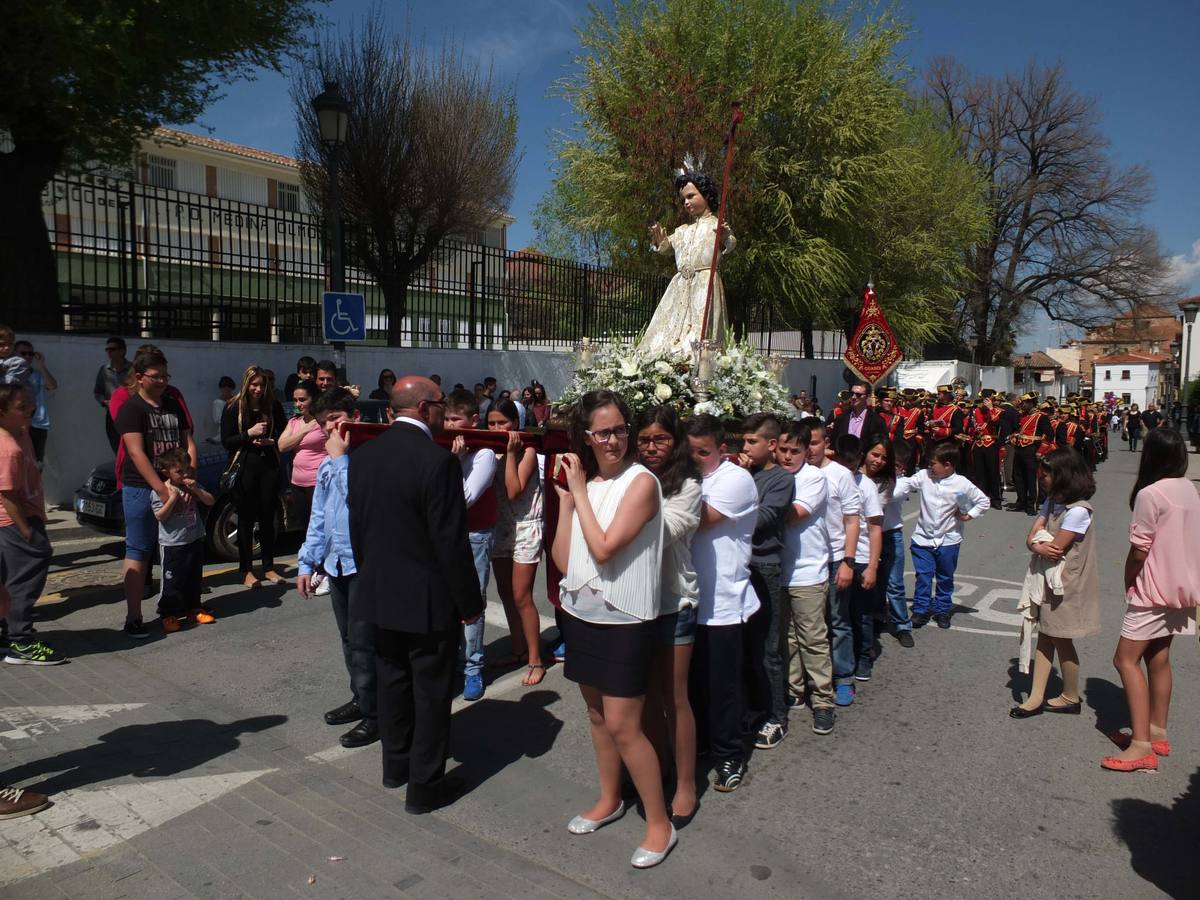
{"x":93,"y":508}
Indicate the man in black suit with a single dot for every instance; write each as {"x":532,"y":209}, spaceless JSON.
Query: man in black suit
{"x":859,"y":418}
{"x":416,"y":584}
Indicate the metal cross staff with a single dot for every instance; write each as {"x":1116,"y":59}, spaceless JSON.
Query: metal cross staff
{"x":712,"y":269}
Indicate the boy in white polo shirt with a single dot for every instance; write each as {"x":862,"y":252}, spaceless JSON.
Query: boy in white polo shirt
{"x":947,"y":500}
{"x":721,"y":555}
{"x":844,"y":506}
{"x":806,"y":574}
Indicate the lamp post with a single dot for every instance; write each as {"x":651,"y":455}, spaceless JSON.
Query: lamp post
{"x":1189,"y":316}
{"x":1028,"y":363}
{"x":333,"y":121}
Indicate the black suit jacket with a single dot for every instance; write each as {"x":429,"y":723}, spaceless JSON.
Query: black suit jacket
{"x":408,"y":528}
{"x":874,"y":424}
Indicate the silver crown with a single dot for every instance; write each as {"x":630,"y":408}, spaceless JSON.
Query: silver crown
{"x":691,"y":164}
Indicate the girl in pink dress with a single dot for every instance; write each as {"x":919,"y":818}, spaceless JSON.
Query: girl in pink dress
{"x":1162,"y":588}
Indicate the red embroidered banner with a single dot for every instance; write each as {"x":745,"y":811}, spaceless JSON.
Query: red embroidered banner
{"x":873,"y":351}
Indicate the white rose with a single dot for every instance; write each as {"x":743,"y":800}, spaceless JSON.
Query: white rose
{"x":724,"y":360}
{"x":756,"y":396}
{"x":639,"y":396}
{"x":628,"y":368}
{"x":663,"y":392}
{"x":662,"y":367}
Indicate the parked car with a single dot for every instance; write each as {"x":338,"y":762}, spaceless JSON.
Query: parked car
{"x":98,"y":501}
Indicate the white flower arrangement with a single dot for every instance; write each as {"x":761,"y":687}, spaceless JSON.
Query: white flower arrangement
{"x":643,"y":380}
{"x":742,"y":383}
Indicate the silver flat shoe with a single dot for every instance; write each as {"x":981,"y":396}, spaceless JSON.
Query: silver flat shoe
{"x":645,"y":859}
{"x":580,"y":825}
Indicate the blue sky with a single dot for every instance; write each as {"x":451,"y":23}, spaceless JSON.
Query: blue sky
{"x":1134,"y":58}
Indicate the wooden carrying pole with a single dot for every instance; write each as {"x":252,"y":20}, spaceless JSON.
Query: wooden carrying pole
{"x":712,"y":269}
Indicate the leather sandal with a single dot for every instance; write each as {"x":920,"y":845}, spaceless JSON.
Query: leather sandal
{"x":526,"y":682}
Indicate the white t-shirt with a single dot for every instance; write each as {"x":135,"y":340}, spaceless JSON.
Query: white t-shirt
{"x":806,"y":542}
{"x":1077,"y":519}
{"x":721,"y":552}
{"x":844,"y":500}
{"x":893,"y":508}
{"x":871,"y":507}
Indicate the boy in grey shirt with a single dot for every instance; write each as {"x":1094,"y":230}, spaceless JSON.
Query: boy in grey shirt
{"x":181,"y":539}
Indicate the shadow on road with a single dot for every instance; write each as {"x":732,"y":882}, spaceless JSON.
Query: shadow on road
{"x":1107,"y":701}
{"x":1019,"y":683}
{"x":1162,"y":840}
{"x":141,"y":751}
{"x":492,"y":733}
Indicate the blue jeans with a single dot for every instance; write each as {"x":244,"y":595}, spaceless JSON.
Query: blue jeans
{"x":481,"y":550}
{"x":891,"y":580}
{"x":928,"y":561}
{"x":842,"y":628}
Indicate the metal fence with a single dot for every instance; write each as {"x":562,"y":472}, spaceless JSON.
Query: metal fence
{"x":160,"y":263}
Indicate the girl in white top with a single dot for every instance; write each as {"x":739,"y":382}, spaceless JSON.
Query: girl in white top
{"x":518,"y":542}
{"x":609,"y":544}
{"x":663,"y":449}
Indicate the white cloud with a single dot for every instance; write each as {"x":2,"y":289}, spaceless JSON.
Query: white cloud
{"x":1185,"y":268}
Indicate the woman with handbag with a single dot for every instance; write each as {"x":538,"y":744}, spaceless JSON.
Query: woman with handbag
{"x":250,"y":429}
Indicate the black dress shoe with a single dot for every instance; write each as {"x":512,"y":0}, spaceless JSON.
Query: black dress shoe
{"x":905,"y":639}
{"x":365,"y":732}
{"x":942,"y":620}
{"x":1018,"y":712}
{"x":434,"y":796}
{"x":920,"y":620}
{"x":347,"y":712}
{"x":1067,"y":709}
{"x":681,"y":822}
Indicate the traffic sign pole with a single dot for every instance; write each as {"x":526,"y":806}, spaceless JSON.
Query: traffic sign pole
{"x":343,"y":319}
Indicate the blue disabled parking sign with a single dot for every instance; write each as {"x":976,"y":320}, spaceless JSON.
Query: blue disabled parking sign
{"x":344,"y":316}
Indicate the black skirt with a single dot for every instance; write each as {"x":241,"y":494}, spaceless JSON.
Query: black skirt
{"x":613,"y":659}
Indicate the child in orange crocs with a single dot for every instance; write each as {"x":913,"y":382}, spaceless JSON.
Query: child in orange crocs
{"x":181,"y":539}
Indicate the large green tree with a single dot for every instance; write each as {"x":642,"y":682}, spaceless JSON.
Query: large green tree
{"x":82,"y":80}
{"x":840,"y":173}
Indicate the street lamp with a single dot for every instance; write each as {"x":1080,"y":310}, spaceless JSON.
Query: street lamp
{"x":1189,"y":316}
{"x":1028,"y":363}
{"x":333,"y":121}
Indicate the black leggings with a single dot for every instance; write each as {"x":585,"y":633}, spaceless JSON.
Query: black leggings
{"x":257,"y":499}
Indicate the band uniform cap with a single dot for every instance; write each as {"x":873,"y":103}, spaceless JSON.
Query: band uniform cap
{"x":1030,"y":397}
{"x":987,"y":392}
{"x":945,"y":389}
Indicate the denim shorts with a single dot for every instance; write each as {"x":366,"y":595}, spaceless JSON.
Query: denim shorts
{"x":678,"y":628}
{"x":141,"y":528}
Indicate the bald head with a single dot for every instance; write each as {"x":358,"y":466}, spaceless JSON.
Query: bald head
{"x":410,"y":391}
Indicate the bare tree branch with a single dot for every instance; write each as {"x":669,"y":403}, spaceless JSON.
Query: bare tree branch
{"x":1065,"y":230}
{"x":430,"y":155}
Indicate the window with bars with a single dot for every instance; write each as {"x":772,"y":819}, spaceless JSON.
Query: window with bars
{"x":289,"y":197}
{"x":160,"y":171}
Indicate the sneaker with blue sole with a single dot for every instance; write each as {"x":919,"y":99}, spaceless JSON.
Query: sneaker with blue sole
{"x":843,"y":694}
{"x":473,"y":687}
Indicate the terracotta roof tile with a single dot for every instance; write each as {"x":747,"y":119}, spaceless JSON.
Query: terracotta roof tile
{"x":175,"y":136}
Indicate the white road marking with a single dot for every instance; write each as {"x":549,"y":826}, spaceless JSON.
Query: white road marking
{"x":502,"y":686}
{"x":85,"y":821}
{"x":30,"y":721}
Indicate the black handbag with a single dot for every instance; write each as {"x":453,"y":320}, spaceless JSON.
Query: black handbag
{"x":229,"y":478}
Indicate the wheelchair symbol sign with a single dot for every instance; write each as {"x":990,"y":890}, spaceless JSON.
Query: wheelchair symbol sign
{"x":344,"y":317}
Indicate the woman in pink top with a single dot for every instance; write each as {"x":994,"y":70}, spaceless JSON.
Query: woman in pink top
{"x":1162,"y":588}
{"x":304,"y":435}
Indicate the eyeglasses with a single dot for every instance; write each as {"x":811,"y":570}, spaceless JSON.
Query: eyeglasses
{"x":157,"y":379}
{"x":604,"y":435}
{"x":657,"y":440}
{"x":858,"y":394}
{"x":441,"y":402}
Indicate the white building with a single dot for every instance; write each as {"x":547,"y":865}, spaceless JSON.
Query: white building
{"x":1131,"y":378}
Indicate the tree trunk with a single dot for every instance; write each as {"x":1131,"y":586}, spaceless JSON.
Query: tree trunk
{"x":28,"y":277}
{"x":806,"y":338}
{"x":395,"y":300}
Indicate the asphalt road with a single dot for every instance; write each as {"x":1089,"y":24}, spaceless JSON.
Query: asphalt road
{"x":926,"y":788}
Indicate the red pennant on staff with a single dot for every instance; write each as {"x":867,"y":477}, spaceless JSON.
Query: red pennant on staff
{"x":873,"y":351}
